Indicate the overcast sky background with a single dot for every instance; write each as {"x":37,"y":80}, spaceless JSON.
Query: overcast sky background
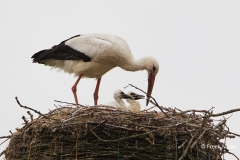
{"x":195,"y":42}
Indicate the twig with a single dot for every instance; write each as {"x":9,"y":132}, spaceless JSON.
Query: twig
{"x":25,"y":120}
{"x":4,"y":141}
{"x":5,"y":137}
{"x":76,"y":147}
{"x":194,"y":110}
{"x":224,"y":113}
{"x":234,"y":134}
{"x":147,"y":109}
{"x":31,"y":116}
{"x":178,"y":109}
{"x":150,"y":97}
{"x":133,"y":136}
{"x":99,"y":124}
{"x":220,"y":123}
{"x":70,"y":103}
{"x":3,"y":152}
{"x":38,"y":112}
{"x":194,"y":143}
{"x":186,"y":149}
{"x":129,"y":129}
{"x":182,"y":144}
{"x":115,"y":140}
{"x":233,"y":154}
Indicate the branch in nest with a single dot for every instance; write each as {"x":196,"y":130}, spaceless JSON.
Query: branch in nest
{"x":209,"y":113}
{"x":233,"y":154}
{"x":38,"y":112}
{"x":31,"y":116}
{"x":186,"y":149}
{"x":193,"y":110}
{"x":137,"y":135}
{"x":4,"y":141}
{"x":70,"y":103}
{"x":220,"y":123}
{"x":5,"y":137}
{"x":25,"y":120}
{"x":115,"y":140}
{"x":3,"y":152}
{"x":160,"y":107}
{"x":182,"y":144}
{"x":119,"y":127}
{"x":145,"y":110}
{"x":226,"y":112}
{"x":194,"y":143}
{"x":230,"y":136}
{"x":234,"y":134}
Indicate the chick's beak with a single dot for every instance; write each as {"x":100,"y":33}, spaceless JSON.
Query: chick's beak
{"x":125,"y":96}
{"x":151,"y":79}
{"x":137,"y":97}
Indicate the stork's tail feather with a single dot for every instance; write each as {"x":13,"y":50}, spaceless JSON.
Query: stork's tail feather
{"x":59,"y":52}
{"x":37,"y":57}
{"x":41,"y":55}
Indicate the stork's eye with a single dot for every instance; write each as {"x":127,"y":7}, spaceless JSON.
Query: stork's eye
{"x":132,"y":94}
{"x":154,"y":69}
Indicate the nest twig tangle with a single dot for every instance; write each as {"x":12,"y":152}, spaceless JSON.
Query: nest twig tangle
{"x":102,"y":132}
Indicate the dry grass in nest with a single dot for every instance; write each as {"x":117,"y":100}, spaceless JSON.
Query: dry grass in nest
{"x":102,"y":132}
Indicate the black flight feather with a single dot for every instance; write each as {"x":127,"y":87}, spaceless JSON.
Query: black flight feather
{"x":60,"y":52}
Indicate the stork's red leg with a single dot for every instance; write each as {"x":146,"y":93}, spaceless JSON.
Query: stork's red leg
{"x":95,"y":95}
{"x":74,"y":88}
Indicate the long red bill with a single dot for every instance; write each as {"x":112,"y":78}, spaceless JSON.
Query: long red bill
{"x":151,"y":79}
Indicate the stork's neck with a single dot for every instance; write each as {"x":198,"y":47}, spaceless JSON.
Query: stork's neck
{"x":132,"y":102}
{"x":121,"y":103}
{"x":133,"y":105}
{"x":134,"y":65}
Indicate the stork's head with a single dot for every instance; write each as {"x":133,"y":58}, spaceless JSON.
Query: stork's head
{"x":135,"y":96}
{"x":152,"y":68}
{"x":120,"y":94}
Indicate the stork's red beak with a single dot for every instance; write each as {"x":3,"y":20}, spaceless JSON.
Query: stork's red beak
{"x":151,"y":79}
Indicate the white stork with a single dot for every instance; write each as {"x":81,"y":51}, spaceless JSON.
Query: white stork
{"x":92,"y":55}
{"x":133,"y":104}
{"x":118,"y":95}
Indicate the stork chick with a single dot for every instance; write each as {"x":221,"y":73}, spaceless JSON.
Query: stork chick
{"x":118,"y":95}
{"x":134,"y":104}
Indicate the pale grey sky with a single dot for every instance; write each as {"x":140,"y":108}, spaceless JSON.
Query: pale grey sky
{"x":195,"y":42}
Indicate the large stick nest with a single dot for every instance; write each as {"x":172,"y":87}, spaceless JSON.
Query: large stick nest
{"x":102,"y":132}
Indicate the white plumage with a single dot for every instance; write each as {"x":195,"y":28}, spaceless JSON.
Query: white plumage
{"x":130,"y":97}
{"x":118,"y":95}
{"x":134,"y":105}
{"x":92,"y":55}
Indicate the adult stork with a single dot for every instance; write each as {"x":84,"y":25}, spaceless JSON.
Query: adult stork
{"x":92,"y":55}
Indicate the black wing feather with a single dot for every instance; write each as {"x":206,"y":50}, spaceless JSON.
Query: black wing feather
{"x":60,"y":52}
